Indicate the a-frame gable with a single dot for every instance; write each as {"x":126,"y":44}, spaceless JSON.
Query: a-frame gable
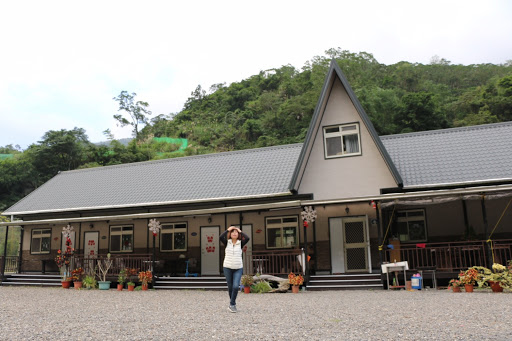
{"x":336,"y":81}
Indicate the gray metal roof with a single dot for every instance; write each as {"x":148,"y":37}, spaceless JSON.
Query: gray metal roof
{"x":469,"y":154}
{"x":247,"y":173}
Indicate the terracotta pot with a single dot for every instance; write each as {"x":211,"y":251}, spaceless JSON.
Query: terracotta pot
{"x":495,"y":286}
{"x":247,"y":290}
{"x":66,"y":284}
{"x":295,"y":289}
{"x":144,"y":287}
{"x":468,"y":287}
{"x":456,"y":289}
{"x":77,"y":285}
{"x":120,"y":287}
{"x":131,"y":287}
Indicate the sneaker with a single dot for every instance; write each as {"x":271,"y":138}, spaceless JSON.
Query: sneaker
{"x":232,"y":308}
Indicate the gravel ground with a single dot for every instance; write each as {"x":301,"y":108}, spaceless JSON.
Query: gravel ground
{"x":68,"y":314}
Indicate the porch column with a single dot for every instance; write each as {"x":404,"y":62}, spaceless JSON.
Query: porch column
{"x":465,"y":212}
{"x":2,"y":270}
{"x":487,"y":250}
{"x":20,"y":248}
{"x":379,"y":231}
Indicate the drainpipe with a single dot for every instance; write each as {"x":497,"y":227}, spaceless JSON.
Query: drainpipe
{"x":306,"y":275}
{"x":486,"y":228}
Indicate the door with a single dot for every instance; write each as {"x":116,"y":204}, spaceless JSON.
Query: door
{"x":355,"y":244}
{"x":210,"y":263}
{"x":90,"y":250}
{"x":336,"y":237}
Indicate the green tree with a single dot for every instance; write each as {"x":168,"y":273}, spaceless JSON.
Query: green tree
{"x":58,"y":151}
{"x":418,"y":112}
{"x":137,"y":112}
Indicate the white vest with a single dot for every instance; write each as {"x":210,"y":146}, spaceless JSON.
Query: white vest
{"x":233,"y":255}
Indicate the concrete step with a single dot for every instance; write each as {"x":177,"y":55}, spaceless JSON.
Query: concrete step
{"x":345,"y":282}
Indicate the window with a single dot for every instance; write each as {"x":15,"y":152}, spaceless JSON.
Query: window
{"x":282,"y":232}
{"x":40,"y":243}
{"x":173,"y":237}
{"x":121,"y":238}
{"x":411,"y":226}
{"x":342,"y":140}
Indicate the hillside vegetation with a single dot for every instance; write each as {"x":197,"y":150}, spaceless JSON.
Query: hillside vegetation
{"x":275,"y":107}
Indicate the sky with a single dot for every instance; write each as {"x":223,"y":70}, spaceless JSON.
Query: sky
{"x":63,"y":62}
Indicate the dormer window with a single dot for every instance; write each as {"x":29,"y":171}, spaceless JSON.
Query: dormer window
{"x":342,"y":140}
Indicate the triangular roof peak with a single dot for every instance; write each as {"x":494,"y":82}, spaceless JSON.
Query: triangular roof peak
{"x":333,"y":74}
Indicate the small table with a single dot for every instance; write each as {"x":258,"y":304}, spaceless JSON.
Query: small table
{"x":395,"y":267}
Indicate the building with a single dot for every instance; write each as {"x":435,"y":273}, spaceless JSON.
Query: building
{"x":440,"y":198}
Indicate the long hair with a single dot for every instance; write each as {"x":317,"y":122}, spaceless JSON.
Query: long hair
{"x":229,"y":235}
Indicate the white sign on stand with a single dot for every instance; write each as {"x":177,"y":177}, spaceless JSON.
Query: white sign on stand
{"x":395,"y":267}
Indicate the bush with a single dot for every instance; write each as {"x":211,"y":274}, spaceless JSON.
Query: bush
{"x":261,"y":287}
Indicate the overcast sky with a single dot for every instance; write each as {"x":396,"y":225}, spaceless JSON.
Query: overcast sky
{"x":62,"y":62}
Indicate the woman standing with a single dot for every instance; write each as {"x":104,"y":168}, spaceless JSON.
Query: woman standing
{"x":235,"y":240}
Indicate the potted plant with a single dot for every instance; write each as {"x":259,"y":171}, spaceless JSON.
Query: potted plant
{"x":130,"y":273}
{"x":455,"y":284}
{"x":247,"y":281}
{"x":89,"y":282}
{"x":145,"y":277}
{"x":121,"y":278}
{"x":77,"y":275}
{"x":63,"y":260}
{"x":295,"y":282}
{"x":498,"y":278}
{"x":469,"y":278}
{"x":103,"y":266}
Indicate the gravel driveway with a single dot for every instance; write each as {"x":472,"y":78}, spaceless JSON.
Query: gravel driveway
{"x":60,"y":314}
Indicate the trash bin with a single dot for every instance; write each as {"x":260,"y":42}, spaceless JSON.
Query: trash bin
{"x":416,"y":282}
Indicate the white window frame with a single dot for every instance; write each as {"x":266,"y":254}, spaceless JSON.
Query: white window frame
{"x":40,"y":234}
{"x":270,"y":225}
{"x":170,"y":228}
{"x":124,"y":231}
{"x":410,"y":217}
{"x":342,"y":131}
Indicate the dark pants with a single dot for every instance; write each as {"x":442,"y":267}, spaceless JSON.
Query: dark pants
{"x":233,"y":277}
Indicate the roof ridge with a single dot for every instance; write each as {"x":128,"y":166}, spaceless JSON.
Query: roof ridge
{"x":184,"y":158}
{"x":447,"y":130}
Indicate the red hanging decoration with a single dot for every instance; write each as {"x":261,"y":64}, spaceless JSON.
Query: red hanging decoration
{"x":306,"y":223}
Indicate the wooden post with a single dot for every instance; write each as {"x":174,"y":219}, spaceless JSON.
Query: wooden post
{"x":2,"y":270}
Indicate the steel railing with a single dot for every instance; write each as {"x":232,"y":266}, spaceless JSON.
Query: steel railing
{"x":275,"y":263}
{"x":453,"y":256}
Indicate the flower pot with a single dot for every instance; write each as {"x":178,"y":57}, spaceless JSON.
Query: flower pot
{"x":77,"y":285}
{"x":104,"y":285}
{"x":468,"y":287}
{"x":456,"y":289}
{"x":247,"y":290}
{"x":144,"y":287}
{"x":66,"y":284}
{"x":295,"y":289}
{"x":131,"y":287}
{"x":495,"y":286}
{"x":120,"y":287}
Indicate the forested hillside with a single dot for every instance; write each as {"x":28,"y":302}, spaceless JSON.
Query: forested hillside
{"x":275,"y":107}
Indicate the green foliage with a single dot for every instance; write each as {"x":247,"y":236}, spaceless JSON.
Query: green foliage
{"x":270,"y":108}
{"x":137,"y":111}
{"x":261,"y":287}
